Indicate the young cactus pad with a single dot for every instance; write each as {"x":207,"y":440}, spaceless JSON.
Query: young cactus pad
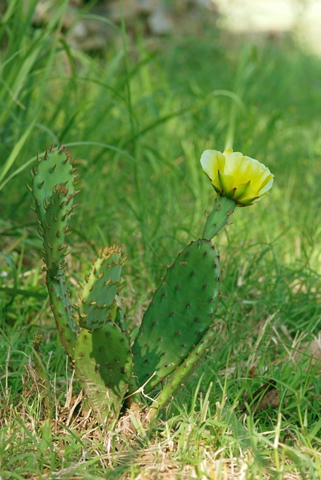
{"x":98,"y":298}
{"x":219,"y":216}
{"x":181,"y":311}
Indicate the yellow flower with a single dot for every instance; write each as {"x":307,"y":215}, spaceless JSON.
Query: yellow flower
{"x":237,"y":177}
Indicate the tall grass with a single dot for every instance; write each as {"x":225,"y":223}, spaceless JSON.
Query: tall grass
{"x":137,"y":119}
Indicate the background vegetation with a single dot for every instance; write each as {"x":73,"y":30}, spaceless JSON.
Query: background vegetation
{"x":137,"y":118}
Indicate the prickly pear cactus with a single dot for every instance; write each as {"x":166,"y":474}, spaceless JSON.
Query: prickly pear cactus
{"x":180,"y":313}
{"x":91,"y":331}
{"x":179,"y":325}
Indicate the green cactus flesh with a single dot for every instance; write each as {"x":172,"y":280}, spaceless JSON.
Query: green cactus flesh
{"x":62,"y":309}
{"x":219,"y":217}
{"x":55,"y":169}
{"x":120,"y":317}
{"x":181,"y":311}
{"x":103,"y":363}
{"x":98,"y":299}
{"x":54,"y":229}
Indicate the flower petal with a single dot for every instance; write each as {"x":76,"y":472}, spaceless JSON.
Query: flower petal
{"x":212,"y":161}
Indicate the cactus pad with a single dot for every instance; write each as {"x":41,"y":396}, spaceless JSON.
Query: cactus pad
{"x":98,"y":298}
{"x":181,"y":311}
{"x":103,"y":362}
{"x":53,"y":191}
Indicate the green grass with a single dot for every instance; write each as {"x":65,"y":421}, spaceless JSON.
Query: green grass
{"x":137,"y":119}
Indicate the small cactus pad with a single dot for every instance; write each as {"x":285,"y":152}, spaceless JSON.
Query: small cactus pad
{"x":219,"y":216}
{"x":103,"y":364}
{"x":99,"y":294}
{"x":181,"y":311}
